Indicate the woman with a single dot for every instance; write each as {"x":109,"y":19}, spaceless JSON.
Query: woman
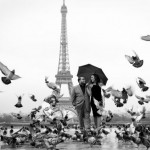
{"x":96,"y":99}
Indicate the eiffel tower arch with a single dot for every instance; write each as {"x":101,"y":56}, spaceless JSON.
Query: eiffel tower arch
{"x":63,"y":76}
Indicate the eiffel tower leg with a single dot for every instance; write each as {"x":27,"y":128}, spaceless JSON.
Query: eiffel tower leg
{"x":70,"y":85}
{"x":59,"y":85}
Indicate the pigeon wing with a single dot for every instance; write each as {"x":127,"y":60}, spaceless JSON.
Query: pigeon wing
{"x":138,"y":97}
{"x":4,"y":69}
{"x":136,"y":55}
{"x":148,"y":96}
{"x":140,"y":79}
{"x":51,"y":85}
{"x":145,"y":38}
{"x":129,"y":58}
{"x":138,"y":118}
{"x":46,"y":79}
{"x":14,"y":77}
{"x":129,"y":91}
{"x":137,"y":81}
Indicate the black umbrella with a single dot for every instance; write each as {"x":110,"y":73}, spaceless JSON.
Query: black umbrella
{"x":88,"y":69}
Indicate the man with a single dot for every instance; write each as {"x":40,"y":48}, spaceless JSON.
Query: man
{"x":80,"y":97}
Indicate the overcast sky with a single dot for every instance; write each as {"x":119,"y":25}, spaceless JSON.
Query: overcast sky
{"x":99,"y":32}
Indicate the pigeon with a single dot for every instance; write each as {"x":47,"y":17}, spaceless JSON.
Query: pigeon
{"x":129,"y":91}
{"x":134,"y":60}
{"x":105,"y":132}
{"x":109,"y":116}
{"x":9,"y":75}
{"x":37,"y":109}
{"x":141,"y":83}
{"x":142,"y":99}
{"x":117,"y":102}
{"x":51,"y":85}
{"x":146,"y":38}
{"x":33,"y":97}
{"x":124,"y":95}
{"x":120,"y":94}
{"x":18,"y":105}
{"x":18,"y":116}
{"x":136,"y":118}
{"x":54,"y":87}
{"x":143,"y":112}
{"x":107,"y":95}
{"x":34,"y":111}
{"x":115,"y":93}
{"x":92,"y":140}
{"x":131,"y":112}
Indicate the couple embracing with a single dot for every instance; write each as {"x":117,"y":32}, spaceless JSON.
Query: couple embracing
{"x":85,"y":97}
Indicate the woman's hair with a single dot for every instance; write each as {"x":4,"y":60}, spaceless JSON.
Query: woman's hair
{"x":97,"y":79}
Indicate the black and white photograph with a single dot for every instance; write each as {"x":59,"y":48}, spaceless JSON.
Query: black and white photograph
{"x":74,"y":74}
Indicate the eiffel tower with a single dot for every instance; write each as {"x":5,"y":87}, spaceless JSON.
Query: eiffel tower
{"x":64,"y":76}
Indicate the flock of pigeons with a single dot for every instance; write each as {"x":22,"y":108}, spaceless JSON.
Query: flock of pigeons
{"x":120,"y":98}
{"x":140,"y":135}
{"x":10,"y":75}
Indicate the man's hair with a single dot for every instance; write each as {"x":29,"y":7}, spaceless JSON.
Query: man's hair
{"x":79,"y":78}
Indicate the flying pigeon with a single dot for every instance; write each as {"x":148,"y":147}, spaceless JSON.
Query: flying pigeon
{"x":54,"y":87}
{"x":142,"y":99}
{"x":18,"y":116}
{"x":109,"y":116}
{"x":131,"y":112}
{"x":146,"y":38}
{"x":120,"y":94}
{"x":141,"y":83}
{"x":134,"y":60}
{"x":143,"y":112}
{"x":129,"y":91}
{"x":115,"y":93}
{"x":124,"y":95}
{"x":32,"y":114}
{"x":18,"y":105}
{"x":140,"y":116}
{"x":9,"y":75}
{"x":117,"y":102}
{"x":33,"y":97}
{"x":37,"y":109}
{"x":107,"y":95}
{"x":34,"y":111}
{"x":51,"y":85}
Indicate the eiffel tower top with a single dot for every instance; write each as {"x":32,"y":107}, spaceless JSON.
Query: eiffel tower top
{"x":63,"y":8}
{"x":63,"y":74}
